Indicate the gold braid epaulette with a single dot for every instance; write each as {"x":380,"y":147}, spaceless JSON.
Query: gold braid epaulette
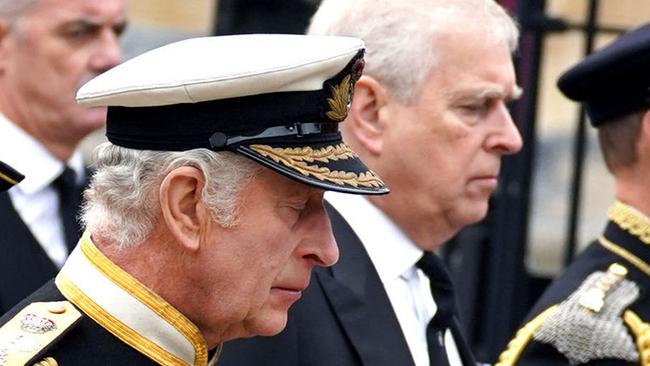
{"x":630,"y":221}
{"x":516,"y":346}
{"x":641,"y":331}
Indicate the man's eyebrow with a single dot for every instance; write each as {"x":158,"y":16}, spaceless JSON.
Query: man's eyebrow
{"x":86,"y":19}
{"x":499,"y":93}
{"x":89,"y":21}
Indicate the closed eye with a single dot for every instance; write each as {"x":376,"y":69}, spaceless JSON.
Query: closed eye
{"x":477,"y":107}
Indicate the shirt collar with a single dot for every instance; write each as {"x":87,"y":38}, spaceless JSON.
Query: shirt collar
{"x":30,"y":158}
{"x":391,"y":251}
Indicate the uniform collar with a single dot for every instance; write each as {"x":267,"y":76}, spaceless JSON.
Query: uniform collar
{"x":41,"y":168}
{"x":631,"y":220}
{"x":392,"y":253}
{"x":129,"y":310}
{"x":628,"y":235}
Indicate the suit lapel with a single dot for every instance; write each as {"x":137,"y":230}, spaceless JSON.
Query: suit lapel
{"x":360,"y":302}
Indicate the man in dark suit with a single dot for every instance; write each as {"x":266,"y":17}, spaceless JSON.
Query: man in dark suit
{"x":49,"y":49}
{"x":598,"y":311}
{"x":430,"y":116}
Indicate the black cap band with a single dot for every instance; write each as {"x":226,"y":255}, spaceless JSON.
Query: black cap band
{"x":189,"y":126}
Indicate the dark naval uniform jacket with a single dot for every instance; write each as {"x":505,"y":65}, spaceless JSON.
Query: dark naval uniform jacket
{"x":94,"y":313}
{"x":343,"y":318}
{"x":597,"y":312}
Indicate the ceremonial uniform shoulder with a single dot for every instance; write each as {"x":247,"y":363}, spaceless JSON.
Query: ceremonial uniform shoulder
{"x":25,"y":338}
{"x":593,"y":323}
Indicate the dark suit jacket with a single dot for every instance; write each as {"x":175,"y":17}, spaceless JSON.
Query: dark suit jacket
{"x":24,"y":265}
{"x":594,"y":258}
{"x":344,"y":318}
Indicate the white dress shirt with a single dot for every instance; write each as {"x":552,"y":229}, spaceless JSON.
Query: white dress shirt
{"x":34,"y":199}
{"x":394,"y":256}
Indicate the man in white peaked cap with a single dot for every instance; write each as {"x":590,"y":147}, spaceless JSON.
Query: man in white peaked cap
{"x":204,"y":217}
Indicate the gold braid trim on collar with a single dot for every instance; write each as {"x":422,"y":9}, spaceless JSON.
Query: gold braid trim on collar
{"x":630,"y":220}
{"x":625,"y":254}
{"x":8,"y":179}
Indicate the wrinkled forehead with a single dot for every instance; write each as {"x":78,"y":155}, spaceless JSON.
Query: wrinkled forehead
{"x":70,"y":10}
{"x":466,"y":61}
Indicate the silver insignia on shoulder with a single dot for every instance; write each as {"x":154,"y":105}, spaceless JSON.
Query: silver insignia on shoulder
{"x":589,"y":324}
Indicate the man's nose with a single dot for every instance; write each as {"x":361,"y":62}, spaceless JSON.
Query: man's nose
{"x":320,"y":247}
{"x":506,"y":138}
{"x":108,"y":52}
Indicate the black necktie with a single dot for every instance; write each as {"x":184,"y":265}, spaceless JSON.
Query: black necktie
{"x":69,"y":201}
{"x":443,"y":294}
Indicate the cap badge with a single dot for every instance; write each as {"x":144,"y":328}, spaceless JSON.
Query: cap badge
{"x":341,"y":99}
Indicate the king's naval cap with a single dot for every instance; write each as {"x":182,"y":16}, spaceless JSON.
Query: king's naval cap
{"x":276,"y":99}
{"x":614,"y":81}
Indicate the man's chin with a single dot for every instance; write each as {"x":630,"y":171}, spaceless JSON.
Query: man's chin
{"x":474,"y":213}
{"x":270,"y":326}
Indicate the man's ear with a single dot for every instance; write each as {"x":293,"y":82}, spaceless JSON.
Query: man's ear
{"x":368,"y":116}
{"x":182,"y":208}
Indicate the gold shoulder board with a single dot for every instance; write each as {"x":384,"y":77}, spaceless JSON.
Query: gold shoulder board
{"x":33,"y":329}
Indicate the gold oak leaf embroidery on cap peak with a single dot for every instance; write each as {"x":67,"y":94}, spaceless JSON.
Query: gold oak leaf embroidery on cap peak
{"x":297,"y":158}
{"x":341,"y":100}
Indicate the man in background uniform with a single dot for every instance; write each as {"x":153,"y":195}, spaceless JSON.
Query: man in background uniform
{"x":597,"y":311}
{"x":48,"y":49}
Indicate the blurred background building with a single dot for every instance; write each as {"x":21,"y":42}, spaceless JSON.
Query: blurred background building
{"x":553,"y":196}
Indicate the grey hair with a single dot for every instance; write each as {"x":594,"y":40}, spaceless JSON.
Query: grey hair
{"x":121,"y":203}
{"x":14,"y":12}
{"x":12,"y":9}
{"x":400,"y":36}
